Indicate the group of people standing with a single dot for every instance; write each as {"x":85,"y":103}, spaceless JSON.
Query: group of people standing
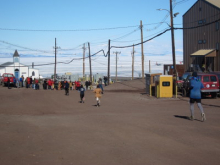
{"x":32,"y":83}
{"x":27,"y":82}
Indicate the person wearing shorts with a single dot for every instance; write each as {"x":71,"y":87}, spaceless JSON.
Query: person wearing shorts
{"x":195,"y":96}
{"x":98,"y":95}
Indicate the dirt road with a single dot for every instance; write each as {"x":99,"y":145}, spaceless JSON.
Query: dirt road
{"x":46,"y":127}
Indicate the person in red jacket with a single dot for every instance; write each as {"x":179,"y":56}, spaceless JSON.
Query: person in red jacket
{"x":36,"y":84}
{"x":29,"y":82}
{"x":49,"y":84}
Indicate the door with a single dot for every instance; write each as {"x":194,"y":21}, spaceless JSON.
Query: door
{"x":17,"y":75}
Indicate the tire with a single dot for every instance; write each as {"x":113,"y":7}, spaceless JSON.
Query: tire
{"x":214,"y":95}
{"x":183,"y":92}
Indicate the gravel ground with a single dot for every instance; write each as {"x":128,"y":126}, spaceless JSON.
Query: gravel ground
{"x":129,"y":128}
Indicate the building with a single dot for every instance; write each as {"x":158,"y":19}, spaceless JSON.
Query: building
{"x":201,"y":36}
{"x":17,"y":68}
{"x":168,"y":69}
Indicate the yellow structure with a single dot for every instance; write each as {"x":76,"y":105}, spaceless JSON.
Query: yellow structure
{"x":164,"y":85}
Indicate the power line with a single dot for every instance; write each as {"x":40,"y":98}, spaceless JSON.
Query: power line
{"x":24,"y":47}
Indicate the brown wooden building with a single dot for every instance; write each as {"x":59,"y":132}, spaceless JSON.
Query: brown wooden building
{"x":201,"y":45}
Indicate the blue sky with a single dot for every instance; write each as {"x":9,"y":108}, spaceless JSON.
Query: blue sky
{"x":37,"y":23}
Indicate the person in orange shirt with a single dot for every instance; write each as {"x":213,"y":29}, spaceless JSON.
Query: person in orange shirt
{"x":98,"y":95}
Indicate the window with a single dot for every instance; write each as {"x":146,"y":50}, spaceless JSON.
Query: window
{"x":165,"y":83}
{"x":206,"y":79}
{"x":200,"y":41}
{"x":204,"y":41}
{"x":213,"y":78}
{"x":33,"y":73}
{"x":16,"y":59}
{"x":217,"y":25}
{"x":200,"y":22}
{"x":200,"y":9}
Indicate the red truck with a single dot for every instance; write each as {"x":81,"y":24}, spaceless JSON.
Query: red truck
{"x":4,"y":79}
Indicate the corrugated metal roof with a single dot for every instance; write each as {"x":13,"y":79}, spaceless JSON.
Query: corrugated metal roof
{"x":205,"y":52}
{"x":214,"y":2}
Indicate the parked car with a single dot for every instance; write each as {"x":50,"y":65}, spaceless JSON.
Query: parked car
{"x":210,"y":82}
{"x":181,"y":80}
{"x":4,"y":79}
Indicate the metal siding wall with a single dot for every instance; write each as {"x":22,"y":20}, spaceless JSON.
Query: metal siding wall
{"x":209,"y":33}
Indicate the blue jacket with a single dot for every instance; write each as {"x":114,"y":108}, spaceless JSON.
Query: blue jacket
{"x":66,"y":85}
{"x":82,"y":90}
{"x":195,"y":86}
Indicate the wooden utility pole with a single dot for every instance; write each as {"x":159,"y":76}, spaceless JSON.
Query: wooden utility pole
{"x":84,"y":49}
{"x":172,"y":38}
{"x":173,"y":46}
{"x":116,"y":69}
{"x":142,"y":49}
{"x":108,"y":61}
{"x":132,"y":54}
{"x":55,"y":68}
{"x":90,"y":65}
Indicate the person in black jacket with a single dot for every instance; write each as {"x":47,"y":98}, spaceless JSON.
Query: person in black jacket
{"x":82,"y":93}
{"x":66,"y":88}
{"x":8,"y":83}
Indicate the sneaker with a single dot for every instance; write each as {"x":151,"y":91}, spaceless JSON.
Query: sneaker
{"x":203,"y":117}
{"x":191,"y":118}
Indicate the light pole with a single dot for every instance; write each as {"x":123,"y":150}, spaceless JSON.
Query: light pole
{"x":172,"y":37}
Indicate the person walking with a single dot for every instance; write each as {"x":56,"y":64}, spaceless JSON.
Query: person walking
{"x":82,"y":94}
{"x":66,"y":88}
{"x":195,"y":96}
{"x":98,"y":95}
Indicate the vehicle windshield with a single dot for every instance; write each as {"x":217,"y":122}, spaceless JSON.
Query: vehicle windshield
{"x":213,"y":78}
{"x":8,"y":75}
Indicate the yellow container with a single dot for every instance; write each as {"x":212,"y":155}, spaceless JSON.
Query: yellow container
{"x":165,"y":86}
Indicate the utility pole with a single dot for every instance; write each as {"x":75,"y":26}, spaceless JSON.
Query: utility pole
{"x":90,"y":65}
{"x":84,"y":49}
{"x":108,"y":61}
{"x":173,"y":42}
{"x":173,"y":46}
{"x":116,"y":69}
{"x":55,"y":68}
{"x":142,"y":49}
{"x":132,"y":55}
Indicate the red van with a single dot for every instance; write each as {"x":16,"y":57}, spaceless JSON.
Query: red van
{"x":210,"y":82}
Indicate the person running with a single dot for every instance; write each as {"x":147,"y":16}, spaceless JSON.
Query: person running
{"x":66,"y":88}
{"x":98,"y":95}
{"x":82,"y":93}
{"x":195,"y":95}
